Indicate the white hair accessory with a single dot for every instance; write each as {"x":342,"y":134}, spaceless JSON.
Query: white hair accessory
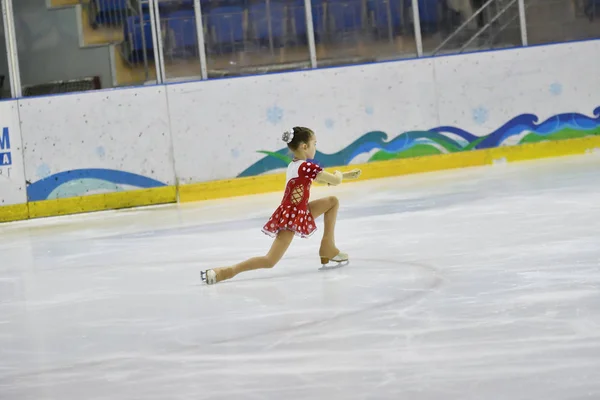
{"x":288,"y":136}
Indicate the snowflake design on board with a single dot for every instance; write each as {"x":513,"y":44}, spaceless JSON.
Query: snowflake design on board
{"x":556,"y":89}
{"x":274,"y":114}
{"x":329,"y":123}
{"x":480,"y":115}
{"x":100,"y":152}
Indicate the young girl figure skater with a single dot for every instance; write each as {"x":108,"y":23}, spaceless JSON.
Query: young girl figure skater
{"x":296,"y":216}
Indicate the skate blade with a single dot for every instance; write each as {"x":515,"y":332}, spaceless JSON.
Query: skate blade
{"x":334,"y":265}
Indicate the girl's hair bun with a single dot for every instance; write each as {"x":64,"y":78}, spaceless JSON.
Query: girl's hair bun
{"x":288,"y":136}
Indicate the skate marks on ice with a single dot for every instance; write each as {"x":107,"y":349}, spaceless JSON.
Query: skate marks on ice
{"x":415,"y":281}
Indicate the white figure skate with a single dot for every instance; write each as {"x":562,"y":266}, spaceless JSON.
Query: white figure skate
{"x":341,"y":260}
{"x":209,"y":277}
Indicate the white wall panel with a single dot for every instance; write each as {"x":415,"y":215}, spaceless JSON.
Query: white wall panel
{"x":96,"y":142}
{"x":12,"y":175}
{"x":219,"y":126}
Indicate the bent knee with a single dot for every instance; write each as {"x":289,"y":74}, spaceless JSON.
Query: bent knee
{"x":269,"y":262}
{"x":333,"y":200}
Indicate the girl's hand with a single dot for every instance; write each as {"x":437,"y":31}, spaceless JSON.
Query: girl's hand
{"x":354,"y":174}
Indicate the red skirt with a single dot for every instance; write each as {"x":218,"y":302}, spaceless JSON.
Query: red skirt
{"x":296,"y":219}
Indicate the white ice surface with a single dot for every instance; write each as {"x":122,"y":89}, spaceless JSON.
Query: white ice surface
{"x":475,"y":284}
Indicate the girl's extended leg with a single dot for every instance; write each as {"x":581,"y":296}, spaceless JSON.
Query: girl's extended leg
{"x":278,"y":249}
{"x":328,"y":206}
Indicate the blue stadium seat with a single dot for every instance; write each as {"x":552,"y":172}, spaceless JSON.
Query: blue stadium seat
{"x":388,"y":14}
{"x":297,"y":14}
{"x":298,"y":18}
{"x":135,"y":36}
{"x":428,"y":10}
{"x":107,"y":12}
{"x":344,"y":15}
{"x":169,"y":5}
{"x":182,"y":3}
{"x":259,"y":21}
{"x":591,"y":9}
{"x":226,"y":27}
{"x":429,"y":15}
{"x":182,"y":34}
{"x":319,"y":19}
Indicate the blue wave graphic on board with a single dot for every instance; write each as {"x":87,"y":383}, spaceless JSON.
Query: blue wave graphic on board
{"x":446,"y":138}
{"x":81,"y":181}
{"x":375,"y":140}
{"x":528,"y":122}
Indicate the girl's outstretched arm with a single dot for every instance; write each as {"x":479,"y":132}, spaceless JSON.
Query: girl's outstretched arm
{"x":354,"y":174}
{"x":337,"y":177}
{"x":330,"y":179}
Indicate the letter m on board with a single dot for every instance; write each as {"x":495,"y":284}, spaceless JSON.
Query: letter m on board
{"x":5,"y":158}
{"x":4,"y":140}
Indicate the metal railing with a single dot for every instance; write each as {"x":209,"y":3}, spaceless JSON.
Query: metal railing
{"x":126,"y":25}
{"x":496,"y":10}
{"x":161,"y":40}
{"x":105,"y":19}
{"x":512,"y":4}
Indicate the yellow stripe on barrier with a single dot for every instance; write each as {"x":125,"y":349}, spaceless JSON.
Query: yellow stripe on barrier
{"x":385,"y":169}
{"x":14,"y":212}
{"x":104,"y":201}
{"x":554,"y":148}
{"x":275,"y":182}
{"x":232,"y":187}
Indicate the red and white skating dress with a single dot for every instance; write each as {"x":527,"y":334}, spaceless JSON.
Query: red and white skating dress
{"x":293,"y":213}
